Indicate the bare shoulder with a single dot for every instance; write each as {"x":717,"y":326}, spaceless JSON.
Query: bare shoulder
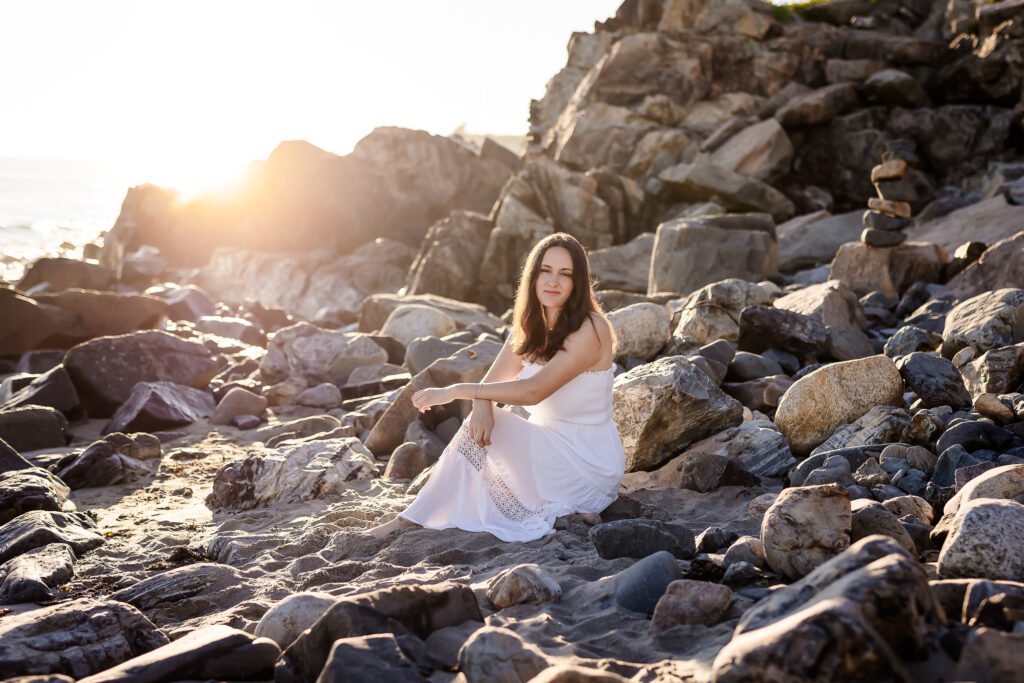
{"x":602,"y":326}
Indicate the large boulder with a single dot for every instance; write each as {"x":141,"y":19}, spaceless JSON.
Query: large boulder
{"x":692,"y":252}
{"x":27,"y":323}
{"x":625,"y":267}
{"x":985,"y":541}
{"x":761,"y":151}
{"x":77,"y":638}
{"x":105,"y":370}
{"x":317,"y":355}
{"x":999,"y":267}
{"x":30,"y":489}
{"x":412,"y":321}
{"x":830,"y":303}
{"x":294,"y":471}
{"x":997,"y":371}
{"x":101,"y":314}
{"x":813,"y":243}
{"x":641,"y":330}
{"x":449,"y":257}
{"x":833,"y":395}
{"x":713,"y":311}
{"x":934,"y":379}
{"x":394,"y":184}
{"x":755,"y":446}
{"x":153,"y":406}
{"x":986,"y":321}
{"x":31,"y":428}
{"x":377,"y":308}
{"x":702,"y":181}
{"x":889,"y":270}
{"x":764,"y":327}
{"x":36,"y":528}
{"x":31,"y":576}
{"x":662,"y":407}
{"x":818,"y":106}
{"x":65,"y":273}
{"x":53,"y":389}
{"x":606,"y":136}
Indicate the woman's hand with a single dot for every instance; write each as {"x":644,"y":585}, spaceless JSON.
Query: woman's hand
{"x":481,"y":422}
{"x":436,"y":396}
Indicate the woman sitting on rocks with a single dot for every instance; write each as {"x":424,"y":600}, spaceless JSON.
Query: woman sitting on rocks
{"x":512,"y":477}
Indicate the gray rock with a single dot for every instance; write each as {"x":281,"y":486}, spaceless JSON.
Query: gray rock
{"x":881,"y":424}
{"x":431,"y":444}
{"x":368,"y":659}
{"x":524,"y":583}
{"x":154,"y":406}
{"x":113,"y":459}
{"x":664,"y":406}
{"x":712,"y":312}
{"x":641,"y":537}
{"x":881,"y":221}
{"x":882,"y":238}
{"x":747,"y":549}
{"x":324,"y":395}
{"x":449,"y":257}
{"x":701,"y":180}
{"x":896,"y":88}
{"x":909,"y":339}
{"x":29,"y":577}
{"x":77,"y":638}
{"x":870,"y":518}
{"x":37,"y":528}
{"x":233,"y":328}
{"x":317,"y":355}
{"x":835,"y":470}
{"x":624,"y":267}
{"x":691,"y":602}
{"x":641,"y":330}
{"x":423,"y":351}
{"x":986,"y":321}
{"x":498,"y":654}
{"x":29,"y":489}
{"x":178,"y":584}
{"x":701,"y":471}
{"x":238,"y":401}
{"x":407,"y":461}
{"x":805,"y":527}
{"x":985,"y":541}
{"x":818,"y":106}
{"x":287,"y":619}
{"x":211,"y":652}
{"x":53,"y":389}
{"x":746,"y":366}
{"x":764,"y":327}
{"x":32,"y":428}
{"x":934,"y":379}
{"x":640,"y":586}
{"x":816,"y":243}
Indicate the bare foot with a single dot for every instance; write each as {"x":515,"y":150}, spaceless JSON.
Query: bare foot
{"x":590,"y":518}
{"x":384,"y":529}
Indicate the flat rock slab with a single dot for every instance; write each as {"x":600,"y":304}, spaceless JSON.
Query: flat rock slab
{"x":38,"y":528}
{"x":218,"y":652}
{"x":77,"y":638}
{"x":178,"y":584}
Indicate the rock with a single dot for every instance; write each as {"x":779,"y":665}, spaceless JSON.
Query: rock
{"x":624,"y":267}
{"x":712,"y":312}
{"x":889,"y":270}
{"x":836,"y":394}
{"x":985,"y":541}
{"x":835,"y":470}
{"x":870,"y":518}
{"x":999,"y":267}
{"x":39,"y":361}
{"x":759,"y":394}
{"x":701,"y":180}
{"x":210,"y":652}
{"x":877,"y":221}
{"x":882,"y":238}
{"x":761,"y":151}
{"x":689,"y":253}
{"x":893,"y":87}
{"x":287,"y":619}
{"x":429,"y":442}
{"x":29,"y":577}
{"x":233,"y":328}
{"x":37,"y":528}
{"x":881,"y":424}
{"x":367,"y":374}
{"x":747,"y":366}
{"x":522,"y":584}
{"x":1005,"y":483}
{"x":411,"y":321}
{"x":468,"y":364}
{"x":447,"y":264}
{"x":238,"y":401}
{"x":368,"y":659}
{"x":641,"y":537}
{"x":870,"y":474}
{"x":186,"y":302}
{"x":302,"y":471}
{"x":805,"y":527}
{"x":178,"y":584}
{"x":974,"y":436}
{"x":65,"y":273}
{"x":664,"y":406}
{"x":764,"y":327}
{"x":10,"y":460}
{"x":317,"y":355}
{"x":705,"y":472}
{"x":33,"y":428}
{"x":153,"y":406}
{"x":934,"y":379}
{"x":30,"y":324}
{"x":89,"y":314}
{"x":818,"y":106}
{"x":78,"y":638}
{"x":816,"y":242}
{"x":997,"y":371}
{"x":691,"y":602}
{"x":988,"y":404}
{"x":747,"y":549}
{"x":984,"y":322}
{"x":113,"y":459}
{"x":406,"y":462}
{"x":497,"y":654}
{"x":576,"y":674}
{"x":641,"y":330}
{"x":325,"y":396}
{"x":27,"y":489}
{"x":909,"y":339}
{"x":830,"y":303}
{"x":756,"y":446}
{"x":640,"y":586}
{"x":923,"y":429}
{"x":106,"y":370}
{"x":53,"y":389}
{"x":988,"y":654}
{"x":423,"y":351}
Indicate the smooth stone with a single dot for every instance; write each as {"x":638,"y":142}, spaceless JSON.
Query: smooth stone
{"x":882,"y":238}
{"x":640,"y":586}
{"x":691,"y":602}
{"x":286,"y":620}
{"x":497,"y":654}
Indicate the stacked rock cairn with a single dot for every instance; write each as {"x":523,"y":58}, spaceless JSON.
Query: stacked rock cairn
{"x":889,"y":213}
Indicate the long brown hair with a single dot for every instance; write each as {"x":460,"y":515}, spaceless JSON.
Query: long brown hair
{"x":531,"y":337}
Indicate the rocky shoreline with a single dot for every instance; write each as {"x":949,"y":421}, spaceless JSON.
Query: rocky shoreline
{"x":821,"y":406}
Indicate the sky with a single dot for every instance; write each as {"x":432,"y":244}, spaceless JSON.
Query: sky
{"x":187,"y":92}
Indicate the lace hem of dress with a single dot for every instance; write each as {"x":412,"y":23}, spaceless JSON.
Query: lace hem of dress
{"x":494,"y":478}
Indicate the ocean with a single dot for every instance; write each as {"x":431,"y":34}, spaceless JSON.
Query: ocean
{"x":51,"y":207}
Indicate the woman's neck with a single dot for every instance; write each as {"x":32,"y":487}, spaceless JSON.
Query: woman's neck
{"x":551,"y":316}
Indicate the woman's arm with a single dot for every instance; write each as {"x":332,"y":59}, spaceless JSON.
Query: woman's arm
{"x":582,"y":349}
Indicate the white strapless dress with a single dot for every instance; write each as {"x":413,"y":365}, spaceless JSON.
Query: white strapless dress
{"x":566,"y":458}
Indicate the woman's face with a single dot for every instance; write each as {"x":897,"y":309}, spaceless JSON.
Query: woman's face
{"x":554,"y":281}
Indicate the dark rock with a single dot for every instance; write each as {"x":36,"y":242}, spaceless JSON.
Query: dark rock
{"x":12,"y":384}
{"x":964,"y":255}
{"x":934,"y":379}
{"x":88,"y":314}
{"x":152,"y":406}
{"x":34,"y":427}
{"x":406,"y":461}
{"x":10,"y":459}
{"x":245,"y":421}
{"x":65,"y":273}
{"x":29,"y":577}
{"x":909,"y":339}
{"x":111,"y":460}
{"x":368,"y":659}
{"x":962,"y":475}
{"x":39,"y":361}
{"x":233,"y":328}
{"x":759,"y":394}
{"x":707,"y":471}
{"x":950,"y":460}
{"x":747,"y":366}
{"x":212,"y":652}
{"x":27,"y":324}
{"x":449,"y":257}
{"x":37,"y":528}
{"x":186,"y":302}
{"x":713,"y":539}
{"x":53,"y":389}
{"x":640,"y":586}
{"x":881,"y":221}
{"x":106,"y":370}
{"x":641,"y":537}
{"x":29,"y":489}
{"x":882,"y":238}
{"x":975,"y":435}
{"x":178,"y":584}
{"x":790,"y":363}
{"x":855,"y":455}
{"x":76,"y":638}
{"x":763,"y":327}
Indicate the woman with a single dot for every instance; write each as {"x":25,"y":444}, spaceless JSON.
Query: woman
{"x":512,"y":477}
